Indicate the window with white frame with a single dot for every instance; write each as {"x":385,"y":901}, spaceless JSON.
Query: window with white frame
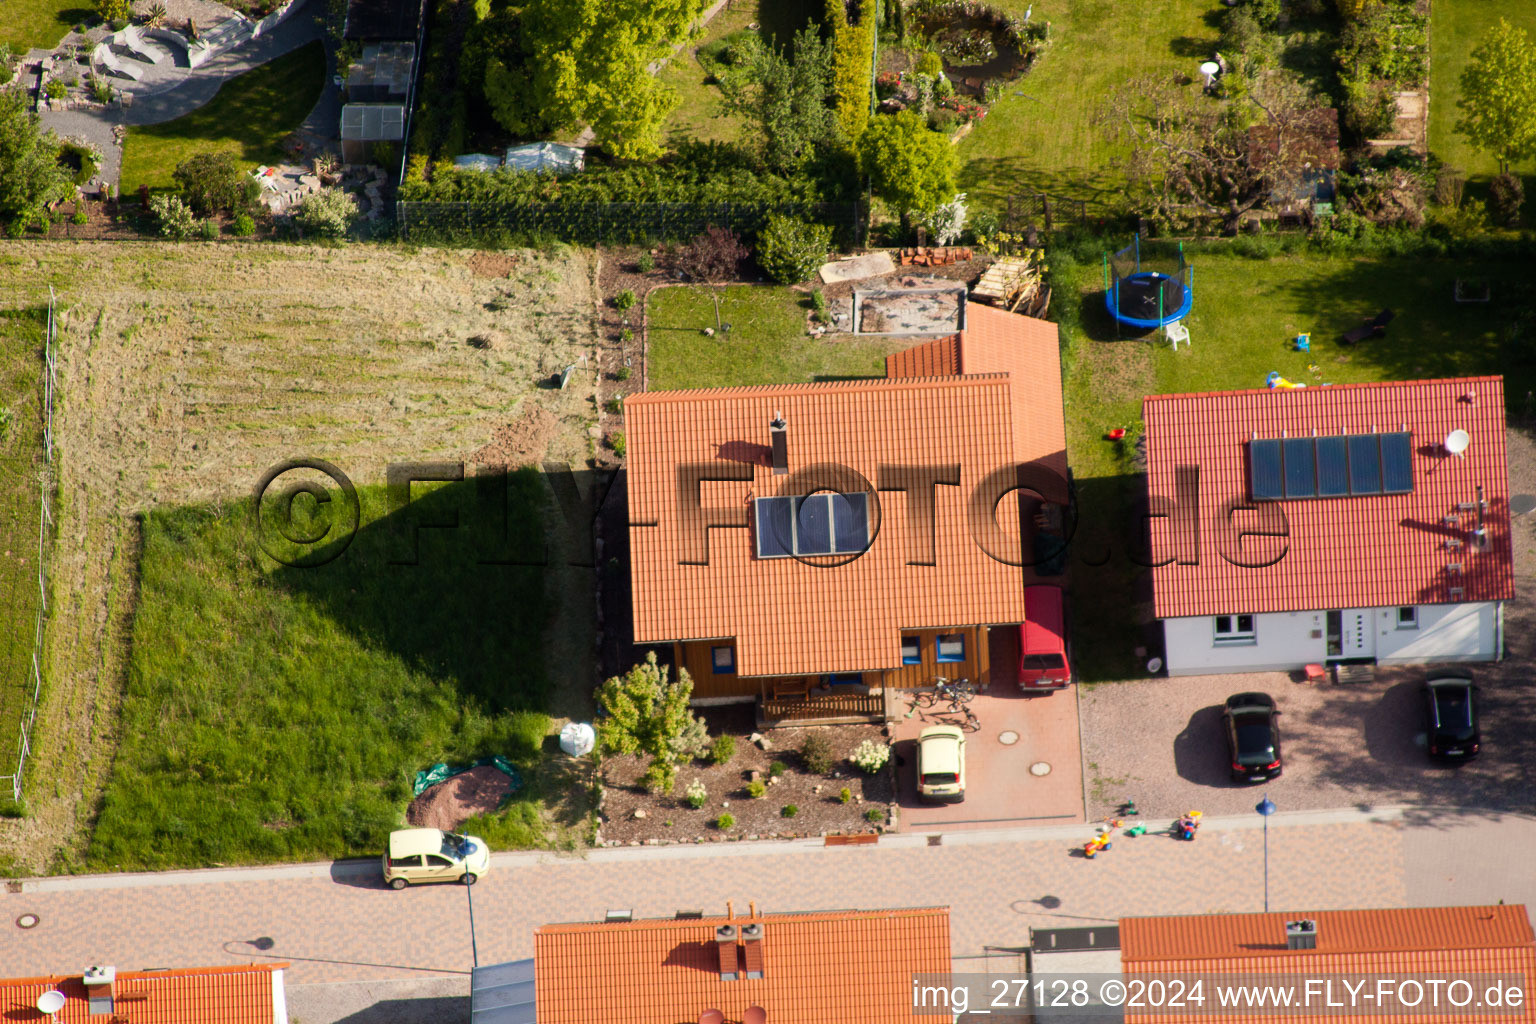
{"x":723,"y":659}
{"x":1235,"y":629}
{"x":951,"y":647}
{"x":1408,"y":617}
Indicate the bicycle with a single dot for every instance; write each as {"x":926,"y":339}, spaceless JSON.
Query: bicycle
{"x":958,"y":694}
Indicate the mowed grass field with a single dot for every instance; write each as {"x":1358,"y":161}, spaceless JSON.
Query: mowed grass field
{"x":279,"y":712}
{"x":766,"y":344}
{"x":186,"y":373}
{"x":1455,"y":28}
{"x":21,"y":462}
{"x":29,"y":23}
{"x":1246,"y":313}
{"x":248,"y":118}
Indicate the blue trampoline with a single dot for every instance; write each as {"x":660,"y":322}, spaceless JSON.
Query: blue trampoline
{"x":1143,"y":296}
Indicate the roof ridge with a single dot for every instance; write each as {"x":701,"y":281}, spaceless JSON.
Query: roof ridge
{"x":175,"y":972}
{"x":801,"y":916}
{"x":680,"y":395}
{"x":1326,"y":388}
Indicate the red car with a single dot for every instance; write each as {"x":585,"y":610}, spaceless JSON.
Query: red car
{"x":1043,"y":659}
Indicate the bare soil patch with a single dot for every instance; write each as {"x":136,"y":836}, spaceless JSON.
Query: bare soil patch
{"x":819,"y":808}
{"x":454,"y":801}
{"x":492,"y":264}
{"x":520,"y":442}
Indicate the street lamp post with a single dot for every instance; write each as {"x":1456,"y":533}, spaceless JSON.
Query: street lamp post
{"x":1266,"y":807}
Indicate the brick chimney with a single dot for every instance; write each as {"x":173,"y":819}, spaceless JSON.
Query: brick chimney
{"x":725,"y":944}
{"x":752,"y":949}
{"x":778,"y":432}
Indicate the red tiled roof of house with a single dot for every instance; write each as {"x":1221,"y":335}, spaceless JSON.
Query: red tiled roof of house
{"x":1420,"y":942}
{"x":817,"y":967}
{"x":792,"y":617}
{"x":198,"y":995}
{"x":1354,"y":552}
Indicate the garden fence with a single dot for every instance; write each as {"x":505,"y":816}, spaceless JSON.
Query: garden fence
{"x":1045,"y":212}
{"x":44,"y":530}
{"x":615,"y":223}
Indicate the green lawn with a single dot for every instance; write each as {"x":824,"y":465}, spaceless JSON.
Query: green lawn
{"x":1245,"y":313}
{"x":21,"y":442}
{"x":1455,"y":27}
{"x":767,"y":343}
{"x":249,"y":117}
{"x":276,"y":713}
{"x":1041,"y":134}
{"x":29,"y":23}
{"x":698,"y":115}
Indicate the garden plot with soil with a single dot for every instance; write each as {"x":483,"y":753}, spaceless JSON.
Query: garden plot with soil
{"x":632,"y":816}
{"x":186,"y":371}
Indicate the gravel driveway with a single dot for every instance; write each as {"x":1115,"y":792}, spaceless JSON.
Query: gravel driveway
{"x":1160,"y":741}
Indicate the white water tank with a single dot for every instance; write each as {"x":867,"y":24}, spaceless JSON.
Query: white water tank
{"x":577,"y":738}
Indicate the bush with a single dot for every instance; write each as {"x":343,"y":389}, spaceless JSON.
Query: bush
{"x":819,"y":306}
{"x":101,"y":90}
{"x":929,"y":64}
{"x":696,"y":794}
{"x":790,"y":250}
{"x":622,"y":373}
{"x":874,"y":814}
{"x":1370,"y":110}
{"x":176,"y":218}
{"x":328,"y":213}
{"x":646,"y":263}
{"x":1450,"y":185}
{"x":625,"y":300}
{"x":614,"y":405}
{"x":210,"y":182}
{"x":626,"y":336}
{"x":81,"y":162}
{"x":816,"y":752}
{"x":777,"y":768}
{"x":645,"y":713}
{"x":871,"y":756}
{"x":245,"y":225}
{"x":722,"y":749}
{"x":1506,"y":195}
{"x":756,"y":789}
{"x":788,"y":811}
{"x":724,"y":822}
{"x":80,"y":216}
{"x":208,"y":230}
{"x":56,"y":89}
{"x":114,"y":10}
{"x":617,"y":443}
{"x":845,"y":795}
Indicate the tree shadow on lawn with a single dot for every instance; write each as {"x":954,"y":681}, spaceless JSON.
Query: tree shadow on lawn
{"x":992,"y":179}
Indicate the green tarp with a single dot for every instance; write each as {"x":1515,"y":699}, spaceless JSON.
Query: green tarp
{"x":442,"y":772}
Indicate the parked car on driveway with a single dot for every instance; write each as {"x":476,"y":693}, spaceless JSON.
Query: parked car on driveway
{"x":1043,"y":659}
{"x":1253,"y":737}
{"x":941,"y":763}
{"x":1451,"y":718}
{"x":418,"y":855}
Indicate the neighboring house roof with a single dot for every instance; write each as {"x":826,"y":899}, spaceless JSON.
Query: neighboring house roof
{"x":382,"y":19}
{"x":816,"y":967}
{"x":1421,"y":942}
{"x":1348,"y":552}
{"x":248,"y":994}
{"x":790,"y":617}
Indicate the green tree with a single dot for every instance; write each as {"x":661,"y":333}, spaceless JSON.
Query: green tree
{"x":30,"y":173}
{"x":790,"y":250}
{"x":1498,"y":95}
{"x":210,"y":182}
{"x":646,"y":713}
{"x":851,"y":57}
{"x":588,"y":61}
{"x":910,"y":167}
{"x":788,"y":100}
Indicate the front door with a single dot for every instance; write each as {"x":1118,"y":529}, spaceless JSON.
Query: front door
{"x":1350,"y":634}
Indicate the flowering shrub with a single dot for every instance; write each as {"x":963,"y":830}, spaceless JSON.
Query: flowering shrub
{"x":968,"y":110}
{"x":696,"y":794}
{"x":887,"y":83}
{"x":871,"y":756}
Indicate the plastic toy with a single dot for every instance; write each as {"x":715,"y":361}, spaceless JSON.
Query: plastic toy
{"x":1304,"y":342}
{"x":1274,"y":380}
{"x":1136,"y":830}
{"x":1118,"y":434}
{"x":1188,"y":825}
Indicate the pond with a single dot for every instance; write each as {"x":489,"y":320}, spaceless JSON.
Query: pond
{"x":980,"y":44}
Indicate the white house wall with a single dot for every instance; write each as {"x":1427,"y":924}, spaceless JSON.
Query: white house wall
{"x":1287,"y":641}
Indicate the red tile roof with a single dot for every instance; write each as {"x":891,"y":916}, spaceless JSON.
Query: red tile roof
{"x":199,"y":995}
{"x":1420,"y":942}
{"x":1394,"y":546}
{"x":790,"y":617}
{"x":821,"y":967}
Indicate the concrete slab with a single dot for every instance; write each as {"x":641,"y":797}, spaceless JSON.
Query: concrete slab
{"x":858,"y":268}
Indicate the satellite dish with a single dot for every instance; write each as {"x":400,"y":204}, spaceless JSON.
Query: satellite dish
{"x":1457,"y":441}
{"x":51,"y":1001}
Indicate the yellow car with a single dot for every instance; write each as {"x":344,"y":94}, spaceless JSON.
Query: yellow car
{"x":418,"y":855}
{"x":941,"y":763}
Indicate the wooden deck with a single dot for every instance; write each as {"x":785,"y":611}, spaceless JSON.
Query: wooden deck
{"x":822,"y":709}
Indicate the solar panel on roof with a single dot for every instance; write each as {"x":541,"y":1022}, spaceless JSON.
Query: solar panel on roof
{"x":1364,"y":464}
{"x":1265,"y":480}
{"x":850,"y":522}
{"x":1300,"y":468}
{"x":813,"y":525}
{"x":775,"y":527}
{"x":1397,"y":463}
{"x":1332,"y":467}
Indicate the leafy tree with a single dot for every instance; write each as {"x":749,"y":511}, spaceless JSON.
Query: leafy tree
{"x":31,"y":176}
{"x":851,"y":56}
{"x":788,"y":100}
{"x":210,"y":182}
{"x":1498,"y":95}
{"x":790,"y":250}
{"x":710,"y":260}
{"x":645,"y":713}
{"x":176,"y":218}
{"x":909,"y":166}
{"x":587,"y":61}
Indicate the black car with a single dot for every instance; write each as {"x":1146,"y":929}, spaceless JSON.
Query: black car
{"x":1450,"y":709}
{"x":1253,"y":737}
